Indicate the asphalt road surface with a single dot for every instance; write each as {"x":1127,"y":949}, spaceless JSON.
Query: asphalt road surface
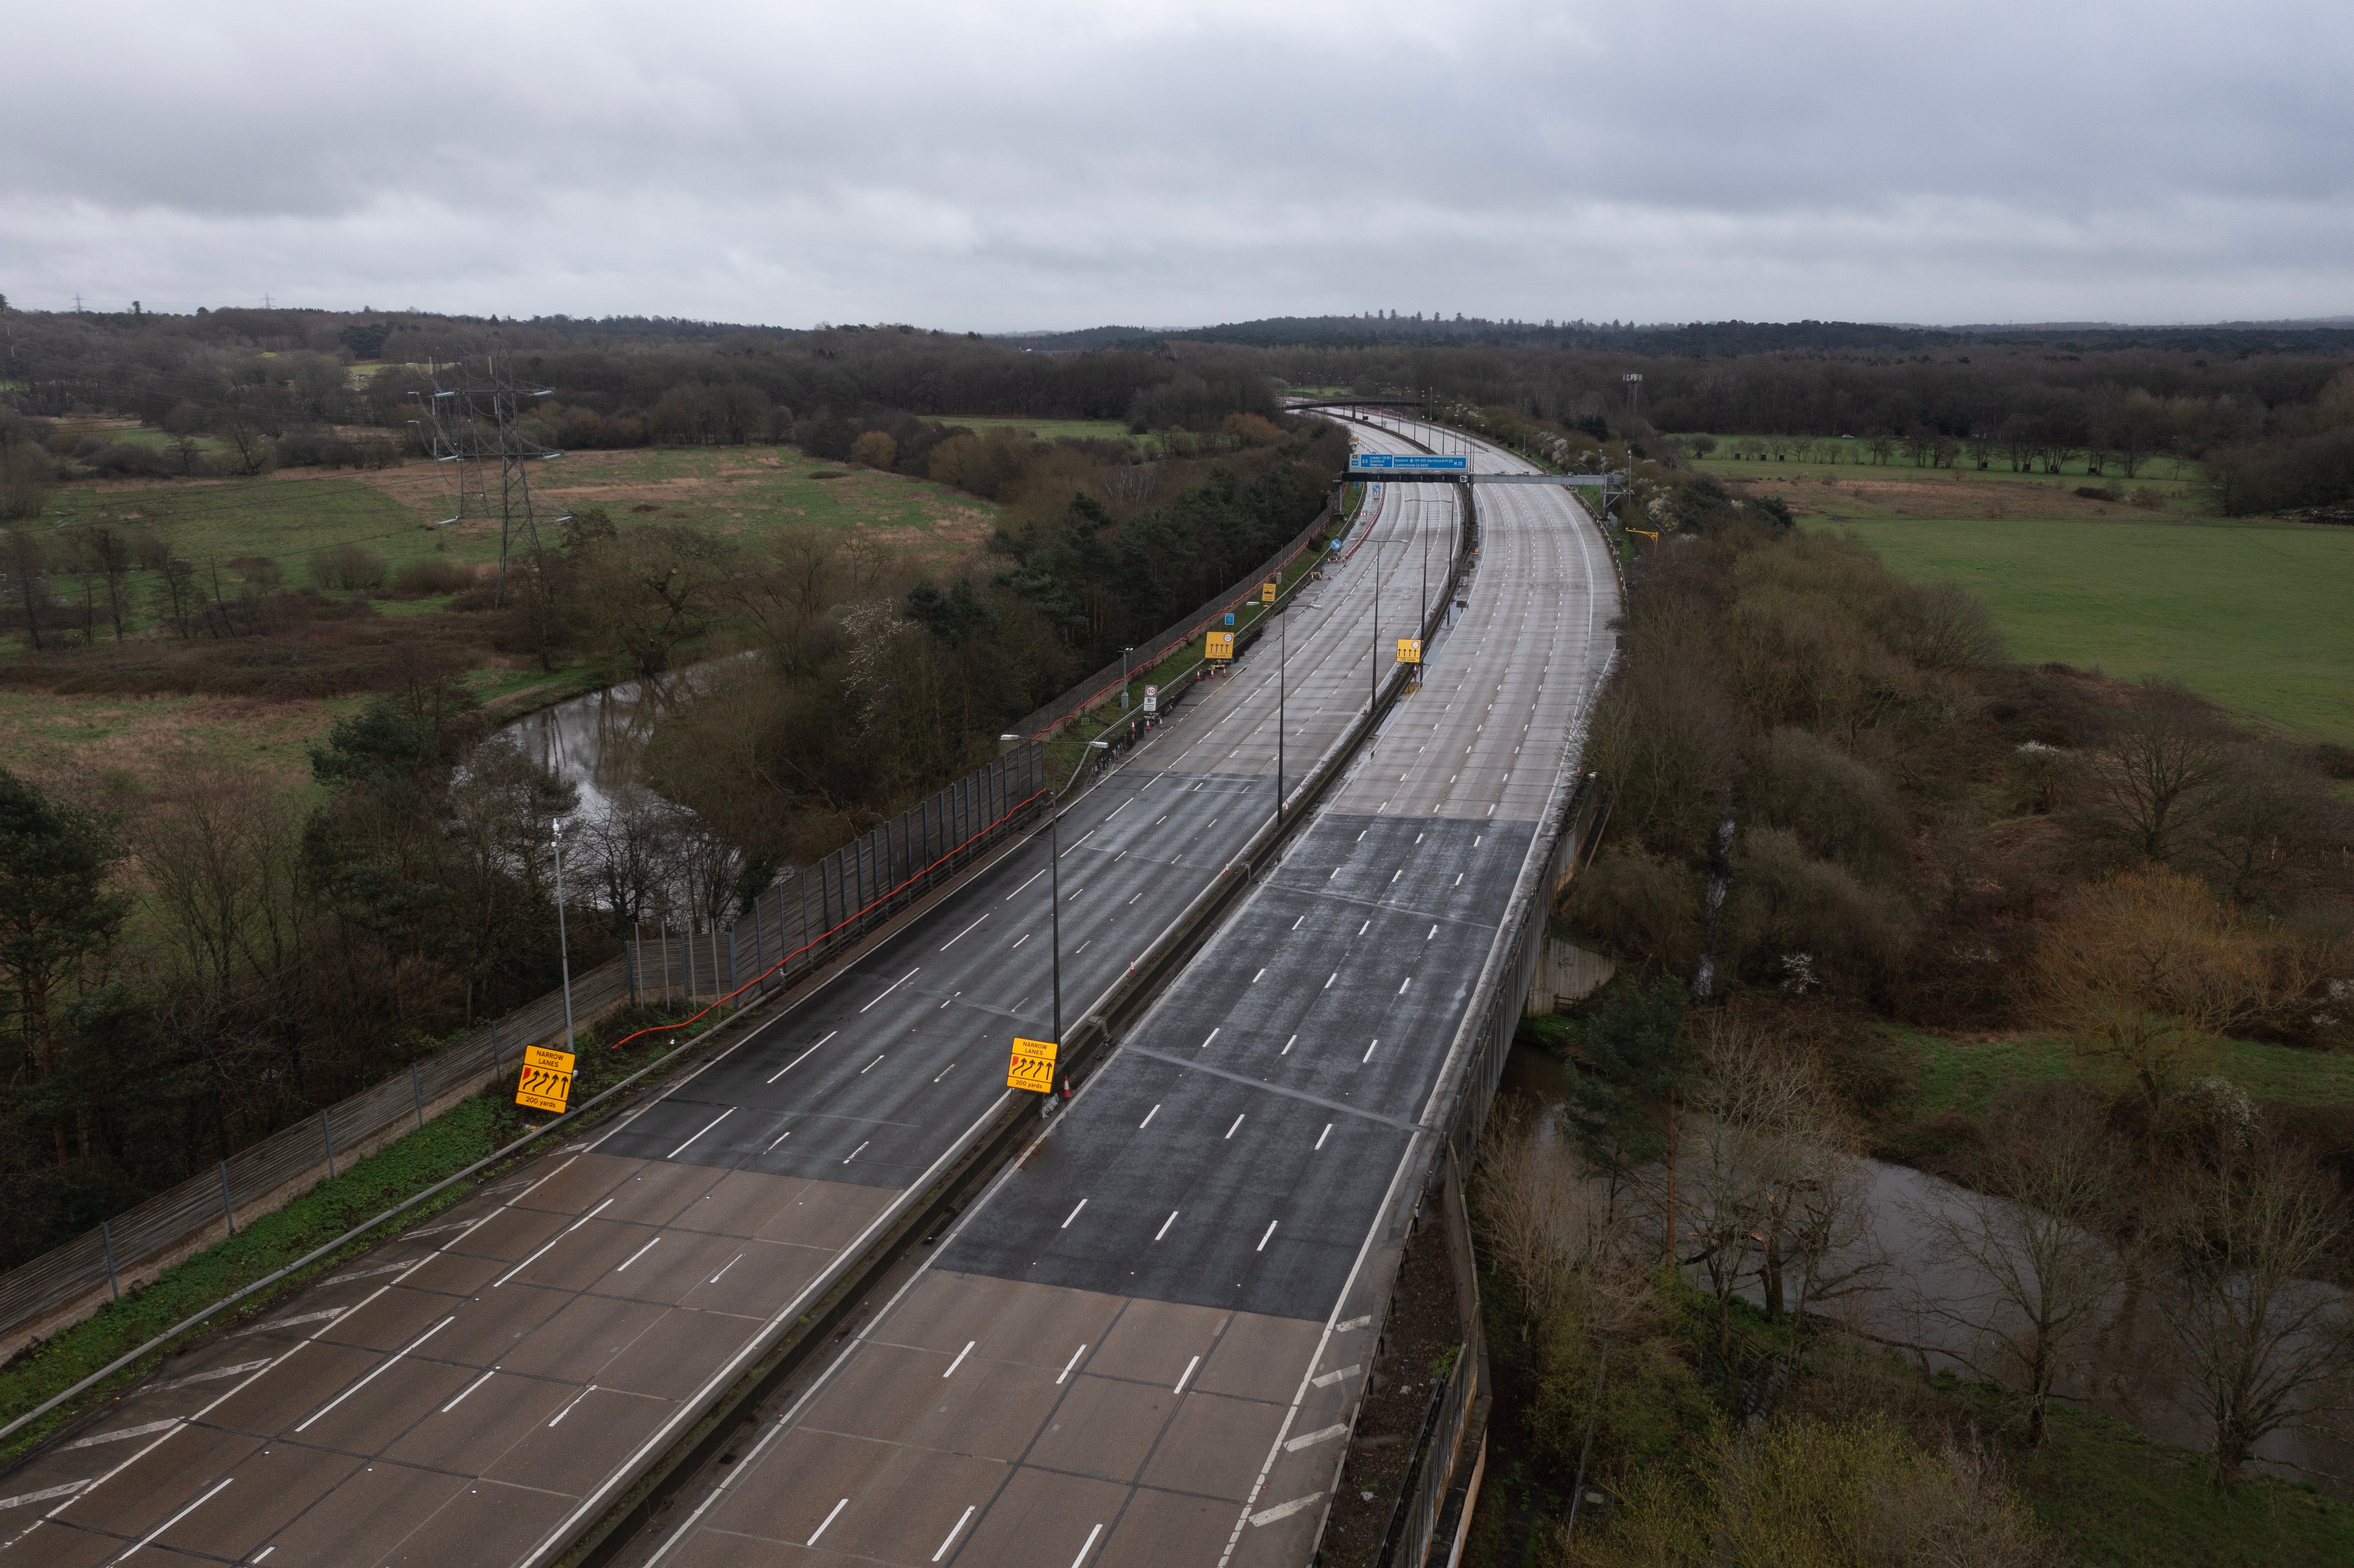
{"x":472,"y":1393}
{"x":1146,"y":1344}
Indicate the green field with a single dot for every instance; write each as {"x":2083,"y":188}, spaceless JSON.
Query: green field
{"x":2252,"y":614}
{"x":737,"y":492}
{"x":1045,"y":429}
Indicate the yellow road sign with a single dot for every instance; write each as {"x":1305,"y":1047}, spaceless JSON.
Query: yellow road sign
{"x":1266,"y":591}
{"x":1032,"y":1066}
{"x":546,"y":1079}
{"x":1221,"y":646}
{"x":1409,"y":650}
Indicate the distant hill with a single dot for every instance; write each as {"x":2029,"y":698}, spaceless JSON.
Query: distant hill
{"x":2322,"y":335}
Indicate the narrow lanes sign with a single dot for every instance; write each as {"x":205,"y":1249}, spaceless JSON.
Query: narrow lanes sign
{"x":1032,"y":1066}
{"x":546,"y":1083}
{"x":1409,"y":650}
{"x":1221,"y":645}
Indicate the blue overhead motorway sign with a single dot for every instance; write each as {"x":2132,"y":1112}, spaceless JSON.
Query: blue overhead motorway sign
{"x":1416,"y":463}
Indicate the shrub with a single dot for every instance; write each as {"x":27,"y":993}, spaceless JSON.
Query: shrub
{"x":2099,"y":492}
{"x":128,"y":460}
{"x":2145,"y":498}
{"x":349,"y":567}
{"x":875,"y":449}
{"x":429,"y":578}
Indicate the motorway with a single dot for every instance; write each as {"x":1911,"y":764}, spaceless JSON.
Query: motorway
{"x":1146,"y":1343}
{"x":476,"y":1390}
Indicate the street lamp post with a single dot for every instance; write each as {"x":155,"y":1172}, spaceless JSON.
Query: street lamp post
{"x":1282,"y":664}
{"x":1123,"y":677}
{"x":563,"y":944}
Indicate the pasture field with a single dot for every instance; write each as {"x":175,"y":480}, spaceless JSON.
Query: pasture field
{"x":743,"y":493}
{"x":2245,"y":611}
{"x":2250,"y":614}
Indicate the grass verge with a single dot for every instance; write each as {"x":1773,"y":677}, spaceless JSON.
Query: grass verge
{"x":473,"y":1130}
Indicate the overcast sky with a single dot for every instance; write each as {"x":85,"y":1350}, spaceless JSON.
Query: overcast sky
{"x":1039,"y":165}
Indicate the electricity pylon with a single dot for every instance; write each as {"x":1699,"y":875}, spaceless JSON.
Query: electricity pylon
{"x":475,"y":425}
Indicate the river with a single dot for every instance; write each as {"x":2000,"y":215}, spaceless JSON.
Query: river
{"x":2131,"y":1376}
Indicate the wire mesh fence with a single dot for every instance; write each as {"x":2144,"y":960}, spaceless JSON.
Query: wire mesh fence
{"x":804,"y":918}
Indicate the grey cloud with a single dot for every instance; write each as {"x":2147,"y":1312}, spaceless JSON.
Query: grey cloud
{"x":1061,"y":164}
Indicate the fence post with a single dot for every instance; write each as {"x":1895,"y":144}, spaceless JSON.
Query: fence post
{"x":731,"y":961}
{"x":686,"y":952}
{"x":106,"y":1239}
{"x":495,"y":1049}
{"x":327,"y":1125}
{"x":417,"y":1088}
{"x":757,"y":946}
{"x":662,"y":926}
{"x":228,"y":1208}
{"x":636,"y":955}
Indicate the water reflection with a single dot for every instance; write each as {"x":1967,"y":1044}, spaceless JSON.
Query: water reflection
{"x":598,"y":741}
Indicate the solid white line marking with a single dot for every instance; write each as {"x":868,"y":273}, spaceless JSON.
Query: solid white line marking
{"x":1069,"y":1364}
{"x":1238,"y":1121}
{"x":1147,"y":1118}
{"x":1262,"y":1241}
{"x":1287,"y":1045}
{"x":639,"y":1253}
{"x":1090,"y":1546}
{"x":126,"y":1432}
{"x":192,"y":1508}
{"x":372,"y":1376}
{"x":725,"y":1268}
{"x":468,"y":1389}
{"x":1034,"y":876}
{"x":829,"y":1520}
{"x":707,"y":1125}
{"x":1310,"y":1440}
{"x":855,"y":1152}
{"x":895,"y":984}
{"x":803,"y":1057}
{"x":1166,"y":1224}
{"x":949,"y":1539}
{"x":960,"y":1355}
{"x":1072,"y":1215}
{"x":1323,"y":1135}
{"x":960,"y":936}
{"x":1186,"y":1375}
{"x":871,"y":1066}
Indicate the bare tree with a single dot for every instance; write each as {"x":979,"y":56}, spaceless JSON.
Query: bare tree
{"x":2036,"y":1230}
{"x":108,"y":551}
{"x":1547,"y":1221}
{"x":2253,"y":1233}
{"x":2153,"y":773}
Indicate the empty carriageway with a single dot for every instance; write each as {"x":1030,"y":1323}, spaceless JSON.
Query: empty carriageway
{"x":479,"y":1390}
{"x":1146,"y":1343}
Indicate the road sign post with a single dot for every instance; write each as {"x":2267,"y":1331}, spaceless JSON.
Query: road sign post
{"x":546,"y":1081}
{"x":1032,"y":1066}
{"x":1151,"y":699}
